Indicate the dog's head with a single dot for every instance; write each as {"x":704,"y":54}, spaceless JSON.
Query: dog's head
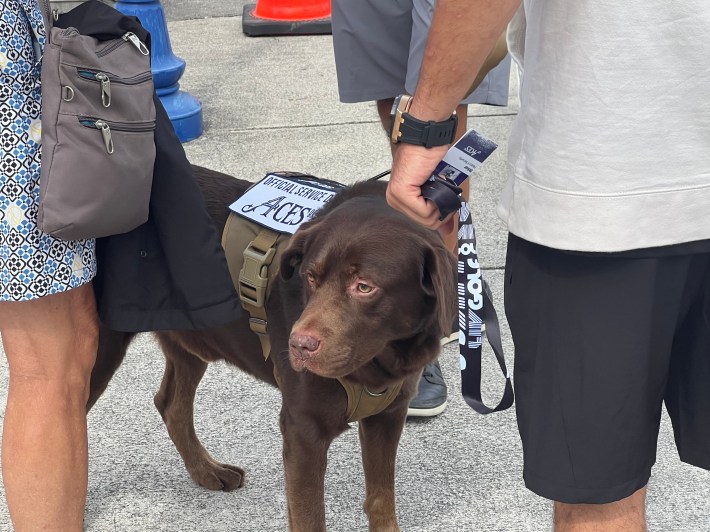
{"x":379,"y":292}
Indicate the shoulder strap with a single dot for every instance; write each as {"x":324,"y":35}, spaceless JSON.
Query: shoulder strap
{"x":46,"y":16}
{"x":101,"y":21}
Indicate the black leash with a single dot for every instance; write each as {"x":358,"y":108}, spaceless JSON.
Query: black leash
{"x":474,"y":299}
{"x":475,"y":308}
{"x":379,"y":176}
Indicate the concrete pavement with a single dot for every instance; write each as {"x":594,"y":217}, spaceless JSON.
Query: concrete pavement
{"x":271,"y":103}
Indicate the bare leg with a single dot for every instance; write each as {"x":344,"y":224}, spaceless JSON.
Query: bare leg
{"x":50,"y":345}
{"x":627,"y":515}
{"x":450,"y":231}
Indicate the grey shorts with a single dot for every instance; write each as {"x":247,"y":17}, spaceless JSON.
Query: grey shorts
{"x":379,"y":45}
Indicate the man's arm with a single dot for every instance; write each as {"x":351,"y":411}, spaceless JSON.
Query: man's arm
{"x":462,"y":34}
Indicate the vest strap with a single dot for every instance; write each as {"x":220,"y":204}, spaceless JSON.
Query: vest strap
{"x":258,"y":248}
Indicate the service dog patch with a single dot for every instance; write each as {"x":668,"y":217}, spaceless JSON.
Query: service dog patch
{"x":283,"y":203}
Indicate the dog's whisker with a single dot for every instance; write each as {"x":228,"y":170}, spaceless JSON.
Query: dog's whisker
{"x":283,"y":354}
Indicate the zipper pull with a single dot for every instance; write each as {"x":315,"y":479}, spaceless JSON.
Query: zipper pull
{"x":133,"y":39}
{"x":106,"y":132}
{"x":105,"y":88}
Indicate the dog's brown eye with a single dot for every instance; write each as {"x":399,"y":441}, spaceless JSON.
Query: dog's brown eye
{"x":364,"y":288}
{"x":310,"y":278}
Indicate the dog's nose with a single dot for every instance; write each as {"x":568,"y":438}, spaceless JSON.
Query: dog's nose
{"x":304,"y":345}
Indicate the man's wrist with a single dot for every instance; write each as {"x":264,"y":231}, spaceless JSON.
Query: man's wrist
{"x":407,"y":127}
{"x":415,"y":163}
{"x":421,"y":110}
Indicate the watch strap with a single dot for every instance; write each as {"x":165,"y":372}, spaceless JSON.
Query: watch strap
{"x":428,"y":134}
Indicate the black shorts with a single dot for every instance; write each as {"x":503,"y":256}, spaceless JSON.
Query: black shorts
{"x":601,"y":342}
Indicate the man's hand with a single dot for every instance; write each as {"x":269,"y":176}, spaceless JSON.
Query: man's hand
{"x":462,"y":34}
{"x":412,"y":166}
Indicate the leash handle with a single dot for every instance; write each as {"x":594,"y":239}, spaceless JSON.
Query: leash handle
{"x":444,"y":193}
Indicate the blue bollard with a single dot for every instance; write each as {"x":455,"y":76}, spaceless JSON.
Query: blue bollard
{"x":184,"y":110}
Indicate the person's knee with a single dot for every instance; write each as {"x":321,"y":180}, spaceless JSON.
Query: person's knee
{"x":61,"y":375}
{"x":53,"y":338}
{"x":57,"y":371}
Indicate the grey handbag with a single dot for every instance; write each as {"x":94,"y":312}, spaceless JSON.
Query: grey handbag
{"x":98,"y":123}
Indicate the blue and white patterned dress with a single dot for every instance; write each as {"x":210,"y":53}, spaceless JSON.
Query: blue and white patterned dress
{"x":32,"y":264}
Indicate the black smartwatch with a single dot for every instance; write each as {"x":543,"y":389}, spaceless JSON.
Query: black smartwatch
{"x":405,"y":128}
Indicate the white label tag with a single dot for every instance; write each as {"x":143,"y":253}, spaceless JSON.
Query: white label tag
{"x":284,"y":203}
{"x":464,"y":157}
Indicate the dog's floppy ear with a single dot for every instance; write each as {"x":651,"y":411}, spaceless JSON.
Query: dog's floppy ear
{"x":439,"y":282}
{"x":293,"y":254}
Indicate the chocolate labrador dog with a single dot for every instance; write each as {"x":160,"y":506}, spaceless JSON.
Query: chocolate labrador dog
{"x":364,"y":296}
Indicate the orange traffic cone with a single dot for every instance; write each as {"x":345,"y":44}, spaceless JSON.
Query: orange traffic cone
{"x":286,"y":17}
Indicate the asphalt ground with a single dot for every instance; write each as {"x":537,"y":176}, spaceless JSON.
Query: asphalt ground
{"x":270,"y":103}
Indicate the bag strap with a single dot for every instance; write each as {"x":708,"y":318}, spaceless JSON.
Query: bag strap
{"x":94,"y":18}
{"x":47,"y":16}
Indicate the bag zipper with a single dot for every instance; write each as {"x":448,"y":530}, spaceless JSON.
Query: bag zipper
{"x":133,"y":38}
{"x":128,"y":37}
{"x":105,"y":80}
{"x":106,"y":126}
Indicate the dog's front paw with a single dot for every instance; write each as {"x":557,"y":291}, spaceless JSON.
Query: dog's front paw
{"x":383,"y":521}
{"x":216,"y":476}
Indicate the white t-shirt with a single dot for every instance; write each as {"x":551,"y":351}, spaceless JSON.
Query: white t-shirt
{"x":611,"y":148}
